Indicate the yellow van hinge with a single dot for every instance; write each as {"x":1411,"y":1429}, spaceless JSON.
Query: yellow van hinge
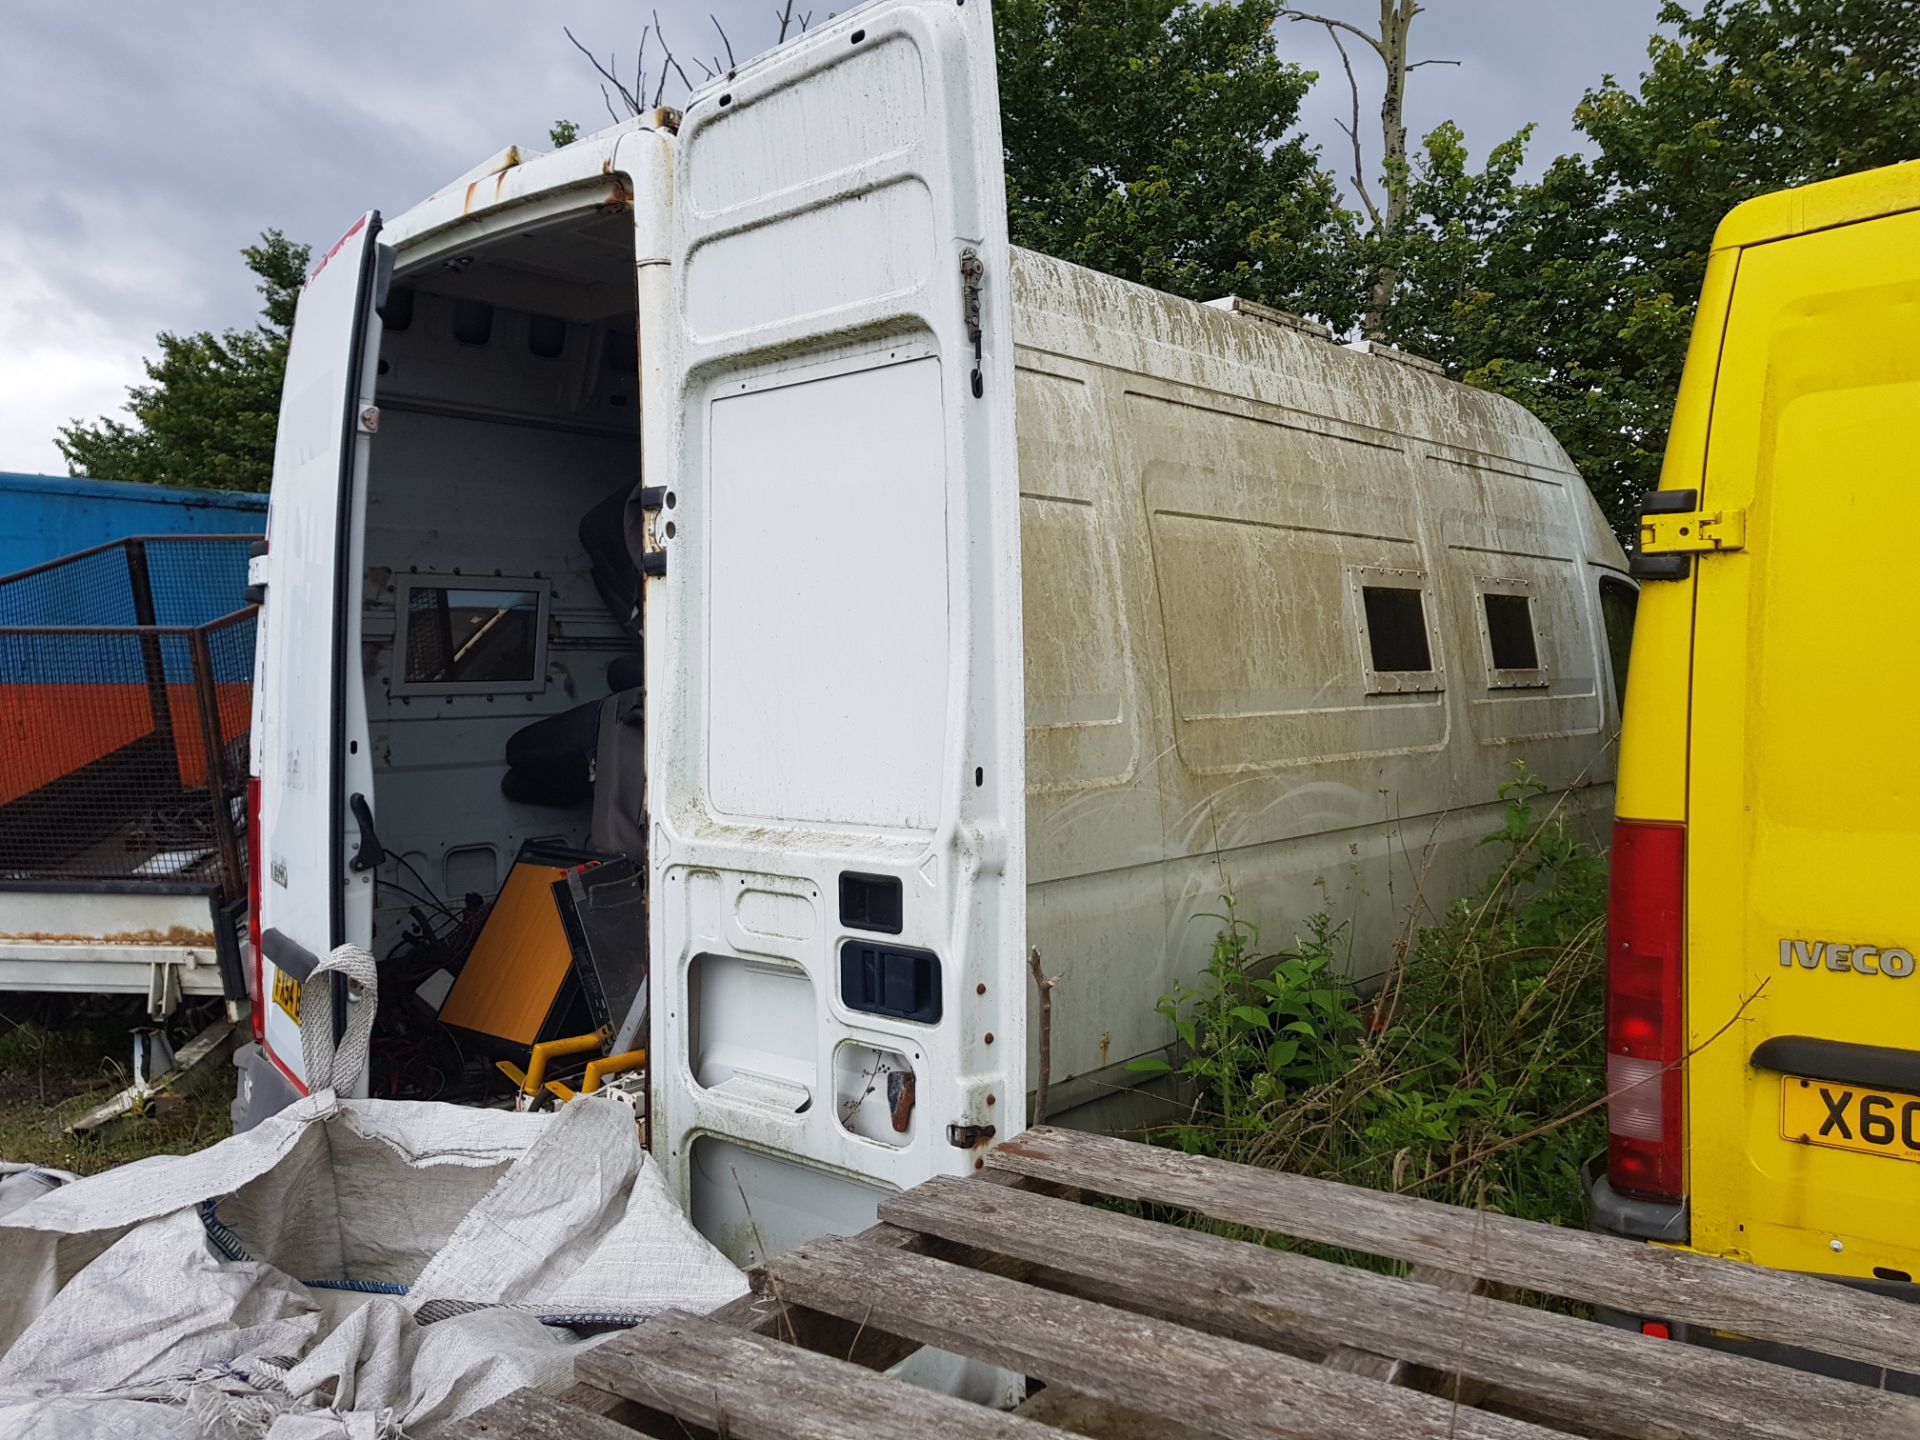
{"x":1673,"y":527}
{"x":1693,"y":531}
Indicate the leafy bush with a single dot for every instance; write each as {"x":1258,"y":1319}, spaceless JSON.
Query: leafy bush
{"x":1471,"y":1075}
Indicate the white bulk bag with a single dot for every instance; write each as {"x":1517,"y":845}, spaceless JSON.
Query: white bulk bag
{"x":456,"y":1255}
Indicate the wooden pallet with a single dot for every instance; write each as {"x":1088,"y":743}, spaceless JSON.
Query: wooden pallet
{"x":1137,"y":1327}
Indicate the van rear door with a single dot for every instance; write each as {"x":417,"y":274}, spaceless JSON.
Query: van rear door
{"x":1803,"y":883}
{"x":838,"y":850}
{"x":310,"y":708}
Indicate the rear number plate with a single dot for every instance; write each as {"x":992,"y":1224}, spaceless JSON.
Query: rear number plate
{"x":286,"y":994}
{"x":1848,"y":1117}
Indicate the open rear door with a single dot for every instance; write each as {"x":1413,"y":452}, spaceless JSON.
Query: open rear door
{"x":838,"y":848}
{"x":310,"y":707}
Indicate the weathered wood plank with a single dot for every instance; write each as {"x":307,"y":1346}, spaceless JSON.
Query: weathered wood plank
{"x":530,"y":1415}
{"x":619,"y":1410}
{"x":752,"y":1387}
{"x":1601,"y":1269}
{"x":1556,"y":1367}
{"x":763,"y":1311}
{"x":1352,"y":1360}
{"x":1394,"y":1371}
{"x":1219,"y":1386}
{"x":1100,"y":1419}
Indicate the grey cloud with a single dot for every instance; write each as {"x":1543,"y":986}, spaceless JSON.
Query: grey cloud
{"x":142,"y":145}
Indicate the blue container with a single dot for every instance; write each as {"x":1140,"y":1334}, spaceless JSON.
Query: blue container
{"x":43,"y":517}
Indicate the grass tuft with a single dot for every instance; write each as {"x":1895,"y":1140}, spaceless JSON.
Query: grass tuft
{"x":60,"y":1056}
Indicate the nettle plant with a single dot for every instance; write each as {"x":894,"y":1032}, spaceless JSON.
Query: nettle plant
{"x":1469,"y":1073}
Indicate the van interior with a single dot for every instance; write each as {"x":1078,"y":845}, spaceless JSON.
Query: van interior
{"x":500,"y":638}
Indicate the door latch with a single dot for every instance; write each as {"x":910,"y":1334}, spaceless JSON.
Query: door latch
{"x":1673,"y":527}
{"x":971,"y":273}
{"x":371,"y":853}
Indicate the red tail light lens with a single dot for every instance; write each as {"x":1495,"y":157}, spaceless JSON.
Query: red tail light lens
{"x":1646,"y":1022}
{"x":253,"y":905}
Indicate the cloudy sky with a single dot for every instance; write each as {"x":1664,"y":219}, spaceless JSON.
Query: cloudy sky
{"x":142,"y":145}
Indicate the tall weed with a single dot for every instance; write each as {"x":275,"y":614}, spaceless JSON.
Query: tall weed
{"x":1462,"y":1078}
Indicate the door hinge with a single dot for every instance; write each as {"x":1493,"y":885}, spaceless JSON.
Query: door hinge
{"x":971,"y":273}
{"x":1673,"y":527}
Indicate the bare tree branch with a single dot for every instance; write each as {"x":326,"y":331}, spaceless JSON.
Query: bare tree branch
{"x":1044,"y":984}
{"x":646,"y":78}
{"x":1353,"y":131}
{"x":1418,"y":63}
{"x":670,"y":61}
{"x":608,"y":75}
{"x":1332,"y":23}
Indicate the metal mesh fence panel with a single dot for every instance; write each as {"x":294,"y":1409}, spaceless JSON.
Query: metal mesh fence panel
{"x":196,"y":578}
{"x":123,"y":738}
{"x":93,"y":587}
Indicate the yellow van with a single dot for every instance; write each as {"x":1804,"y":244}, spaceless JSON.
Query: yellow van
{"x":1763,"y":1010}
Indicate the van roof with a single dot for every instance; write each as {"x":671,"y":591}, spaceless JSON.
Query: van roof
{"x":512,"y":177}
{"x":1820,"y":206}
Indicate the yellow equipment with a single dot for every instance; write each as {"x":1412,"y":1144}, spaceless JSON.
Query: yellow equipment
{"x":509,"y":985}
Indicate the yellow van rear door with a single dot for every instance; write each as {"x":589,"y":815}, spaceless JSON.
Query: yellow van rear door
{"x":1804,"y":781}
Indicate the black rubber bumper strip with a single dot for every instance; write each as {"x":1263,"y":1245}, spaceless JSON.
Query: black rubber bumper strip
{"x":288,"y":954}
{"x":1877,"y":1067}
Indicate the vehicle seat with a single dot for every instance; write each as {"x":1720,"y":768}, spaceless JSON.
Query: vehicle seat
{"x":595,"y":751}
{"x":550,"y":762}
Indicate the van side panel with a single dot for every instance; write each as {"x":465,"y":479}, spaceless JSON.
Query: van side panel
{"x":1206,"y":499}
{"x":1804,"y":788}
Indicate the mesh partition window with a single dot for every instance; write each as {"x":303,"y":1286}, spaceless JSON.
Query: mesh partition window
{"x":471,"y":636}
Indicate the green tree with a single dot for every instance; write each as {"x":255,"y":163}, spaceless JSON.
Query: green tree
{"x":1156,"y":140}
{"x":1746,"y":97}
{"x":1528,"y":289}
{"x":207,"y":418}
{"x":1575,"y":294}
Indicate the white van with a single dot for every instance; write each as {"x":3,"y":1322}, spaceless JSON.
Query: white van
{"x":988,"y":603}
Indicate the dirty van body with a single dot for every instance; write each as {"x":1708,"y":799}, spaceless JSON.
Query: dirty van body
{"x":1764,"y":1015}
{"x":987,"y":603}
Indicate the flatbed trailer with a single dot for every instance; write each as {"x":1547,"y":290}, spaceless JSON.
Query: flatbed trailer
{"x":126,"y":676}
{"x":1149,"y":1326}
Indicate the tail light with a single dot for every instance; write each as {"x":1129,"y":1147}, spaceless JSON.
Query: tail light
{"x":1646,"y":1023}
{"x":253,"y":905}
